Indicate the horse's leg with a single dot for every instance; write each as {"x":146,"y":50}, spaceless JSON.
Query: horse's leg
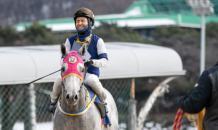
{"x":95,"y":115}
{"x":59,"y":120}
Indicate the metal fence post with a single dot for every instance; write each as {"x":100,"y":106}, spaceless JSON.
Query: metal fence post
{"x":202,"y":55}
{"x":32,"y":108}
{"x":132,"y":108}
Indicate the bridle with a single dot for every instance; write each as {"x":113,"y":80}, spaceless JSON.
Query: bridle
{"x":82,"y":84}
{"x":88,"y":103}
{"x":86,"y":68}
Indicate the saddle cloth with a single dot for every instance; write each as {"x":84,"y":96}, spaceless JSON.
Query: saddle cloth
{"x":106,"y":120}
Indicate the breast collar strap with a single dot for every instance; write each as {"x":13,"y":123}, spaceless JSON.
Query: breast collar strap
{"x":83,"y":110}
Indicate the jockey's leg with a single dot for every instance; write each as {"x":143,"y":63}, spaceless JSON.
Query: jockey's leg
{"x":55,"y":93}
{"x":93,"y":81}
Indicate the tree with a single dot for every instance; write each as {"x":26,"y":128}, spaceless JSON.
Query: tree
{"x":8,"y":36}
{"x":211,"y":30}
{"x":186,"y":43}
{"x":112,"y":33}
{"x":38,"y":34}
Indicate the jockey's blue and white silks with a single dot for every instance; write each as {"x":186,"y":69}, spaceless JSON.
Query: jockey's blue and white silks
{"x":83,"y":37}
{"x":96,"y":49}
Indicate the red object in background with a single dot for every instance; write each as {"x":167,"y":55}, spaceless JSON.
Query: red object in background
{"x":178,"y":119}
{"x":101,"y":122}
{"x":11,"y":99}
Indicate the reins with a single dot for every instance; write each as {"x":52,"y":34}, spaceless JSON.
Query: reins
{"x":43,"y":77}
{"x":55,"y":71}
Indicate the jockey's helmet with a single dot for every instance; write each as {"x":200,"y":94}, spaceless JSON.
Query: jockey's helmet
{"x":84,"y":12}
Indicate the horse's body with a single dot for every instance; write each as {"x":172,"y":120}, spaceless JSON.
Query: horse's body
{"x":91,"y":120}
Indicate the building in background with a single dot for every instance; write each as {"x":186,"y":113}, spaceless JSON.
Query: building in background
{"x":142,"y":16}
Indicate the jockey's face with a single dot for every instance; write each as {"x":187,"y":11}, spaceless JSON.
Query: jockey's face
{"x":81,"y":22}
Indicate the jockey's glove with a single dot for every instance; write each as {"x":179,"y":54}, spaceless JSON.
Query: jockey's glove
{"x":88,"y":63}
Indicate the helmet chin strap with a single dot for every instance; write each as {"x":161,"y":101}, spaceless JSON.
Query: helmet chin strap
{"x":89,"y":27}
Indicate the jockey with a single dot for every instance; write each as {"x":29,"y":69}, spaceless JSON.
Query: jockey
{"x":95,"y":56}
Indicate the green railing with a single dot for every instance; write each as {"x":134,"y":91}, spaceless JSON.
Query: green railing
{"x":174,"y":6}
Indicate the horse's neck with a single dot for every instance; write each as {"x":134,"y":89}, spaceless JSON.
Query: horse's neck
{"x":80,"y":103}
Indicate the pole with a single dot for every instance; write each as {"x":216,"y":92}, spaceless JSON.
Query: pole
{"x":202,"y":64}
{"x":200,"y":115}
{"x":132,"y":121}
{"x":32,"y":108}
{"x":5,"y":122}
{"x":133,"y":89}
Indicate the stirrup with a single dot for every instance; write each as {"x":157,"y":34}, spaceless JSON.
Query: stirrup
{"x":51,"y":108}
{"x":105,"y":107}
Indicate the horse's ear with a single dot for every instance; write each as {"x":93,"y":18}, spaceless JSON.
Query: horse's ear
{"x":82,"y":50}
{"x":63,"y":49}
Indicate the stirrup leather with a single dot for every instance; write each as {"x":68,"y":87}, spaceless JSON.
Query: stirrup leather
{"x":105,"y":107}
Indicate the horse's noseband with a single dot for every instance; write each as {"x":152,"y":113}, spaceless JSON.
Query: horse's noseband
{"x":65,"y":89}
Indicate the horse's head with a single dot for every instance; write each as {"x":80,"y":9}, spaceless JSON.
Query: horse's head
{"x":72,"y":73}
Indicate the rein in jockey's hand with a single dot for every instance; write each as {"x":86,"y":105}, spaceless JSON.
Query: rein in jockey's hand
{"x":88,"y":63}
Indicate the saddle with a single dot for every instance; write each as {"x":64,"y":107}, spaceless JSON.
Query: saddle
{"x":97,"y":101}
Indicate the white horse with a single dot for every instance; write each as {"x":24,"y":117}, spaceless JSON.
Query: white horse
{"x":73,"y":100}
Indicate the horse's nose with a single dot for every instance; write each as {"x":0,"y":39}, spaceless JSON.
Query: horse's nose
{"x":71,"y":97}
{"x":68,"y":97}
{"x":76,"y":97}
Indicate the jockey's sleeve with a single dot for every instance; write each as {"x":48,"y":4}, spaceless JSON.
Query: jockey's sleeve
{"x":199,"y":97}
{"x":102,"y":62}
{"x":101,"y":49}
{"x":67,"y":45}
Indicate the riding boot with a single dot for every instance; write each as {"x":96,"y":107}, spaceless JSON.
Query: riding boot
{"x":51,"y":108}
{"x":56,"y":92}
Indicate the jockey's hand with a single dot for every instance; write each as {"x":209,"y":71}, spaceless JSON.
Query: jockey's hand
{"x":88,"y":63}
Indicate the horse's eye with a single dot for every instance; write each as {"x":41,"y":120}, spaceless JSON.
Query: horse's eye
{"x":83,"y":70}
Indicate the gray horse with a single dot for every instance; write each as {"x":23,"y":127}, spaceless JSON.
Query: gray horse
{"x":73,"y":99}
